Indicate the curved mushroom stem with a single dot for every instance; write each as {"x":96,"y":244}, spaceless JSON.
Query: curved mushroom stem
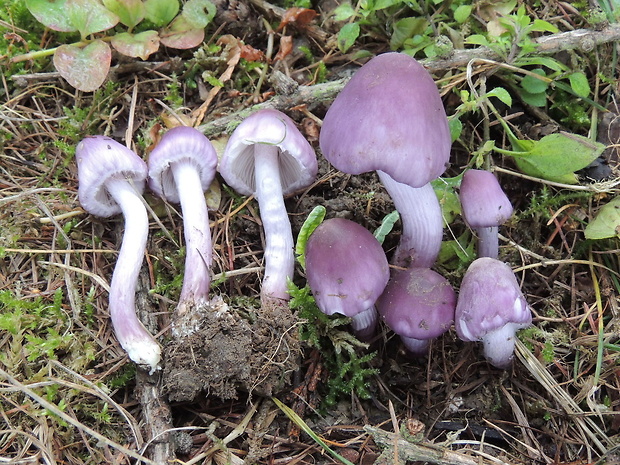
{"x":364,"y":324}
{"x":198,"y":254}
{"x":278,"y":256}
{"x":420,"y":215}
{"x":417,"y":347}
{"x":131,"y":334}
{"x":488,"y":243}
{"x":499,"y":345}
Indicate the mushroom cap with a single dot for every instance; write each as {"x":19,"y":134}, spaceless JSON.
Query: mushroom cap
{"x":346,"y":267}
{"x":489,"y":299}
{"x":417,"y":303}
{"x":388,"y":117}
{"x":180,"y":145}
{"x":100,"y":158}
{"x":484,"y":202}
{"x":298,"y":163}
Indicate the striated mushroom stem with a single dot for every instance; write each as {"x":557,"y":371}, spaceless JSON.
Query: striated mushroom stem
{"x":488,"y":242}
{"x":198,"y":255}
{"x":279,"y":258}
{"x":131,"y":334}
{"x":422,"y":223}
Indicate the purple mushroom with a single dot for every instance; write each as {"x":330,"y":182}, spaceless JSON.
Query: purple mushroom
{"x":390,"y":118}
{"x":491,"y":309}
{"x":181,"y":168}
{"x":347,"y":271}
{"x":417,"y":304}
{"x":268,"y":157}
{"x":111,"y":181}
{"x":485,"y":207}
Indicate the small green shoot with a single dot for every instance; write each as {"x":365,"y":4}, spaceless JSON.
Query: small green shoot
{"x":386,"y":226}
{"x":314,"y":219}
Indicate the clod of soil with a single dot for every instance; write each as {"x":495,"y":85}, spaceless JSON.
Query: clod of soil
{"x":218,"y":350}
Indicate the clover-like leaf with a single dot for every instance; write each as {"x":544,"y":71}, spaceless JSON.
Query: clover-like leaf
{"x":181,"y":34}
{"x":84,"y":68}
{"x":52,"y":14}
{"x":129,"y":12}
{"x":607,"y":222}
{"x":136,"y":45}
{"x":90,"y":16}
{"x":198,"y":13}
{"x":161,"y":12}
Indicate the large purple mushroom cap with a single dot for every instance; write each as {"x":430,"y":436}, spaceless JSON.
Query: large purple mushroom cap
{"x":491,"y":308}
{"x":485,"y":207}
{"x":347,"y":271}
{"x":417,"y":304}
{"x":388,"y":117}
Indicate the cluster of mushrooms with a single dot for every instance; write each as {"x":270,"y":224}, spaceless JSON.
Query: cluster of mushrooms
{"x":389,"y":118}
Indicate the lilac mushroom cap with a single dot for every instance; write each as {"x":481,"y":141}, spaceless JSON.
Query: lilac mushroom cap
{"x":181,"y":168}
{"x":268,"y":157}
{"x":485,"y":208}
{"x":418,"y":304}
{"x":390,"y":118}
{"x":491,"y":309}
{"x":347,"y":271}
{"x":111,"y":180}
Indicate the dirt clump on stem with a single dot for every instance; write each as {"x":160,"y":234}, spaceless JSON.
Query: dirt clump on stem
{"x":218,"y":349}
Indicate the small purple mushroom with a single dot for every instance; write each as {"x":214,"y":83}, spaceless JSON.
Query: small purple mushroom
{"x":111,"y":181}
{"x":485,"y":207}
{"x":347,"y":271}
{"x":417,"y":304}
{"x":181,"y":168}
{"x":390,"y":118}
{"x":491,"y":309}
{"x":267,"y":156}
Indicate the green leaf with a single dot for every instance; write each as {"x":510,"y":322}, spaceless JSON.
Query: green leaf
{"x":129,"y":12}
{"x":556,"y":157}
{"x":477,"y":39}
{"x":314,"y":219}
{"x":84,"y":68}
{"x":456,"y":127}
{"x":136,"y":45}
{"x":579,"y":83}
{"x":406,"y":28}
{"x":501,"y":94}
{"x":536,"y":100}
{"x":347,"y":36}
{"x":382,"y":4}
{"x":550,"y":63}
{"x":462,"y":13}
{"x":606,"y":223}
{"x":161,"y":12}
{"x":52,"y":14}
{"x":386,"y":226}
{"x":543,"y":26}
{"x":343,"y":12}
{"x":533,"y":85}
{"x":182,"y":34}
{"x":90,"y":16}
{"x":199,"y":13}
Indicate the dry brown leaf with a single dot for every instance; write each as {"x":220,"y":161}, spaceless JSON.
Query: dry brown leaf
{"x":298,"y":16}
{"x":286,"y":47}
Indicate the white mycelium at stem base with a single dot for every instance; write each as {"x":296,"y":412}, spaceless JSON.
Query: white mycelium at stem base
{"x":422,"y":222}
{"x":111,"y":180}
{"x":279,"y":260}
{"x":131,"y":334}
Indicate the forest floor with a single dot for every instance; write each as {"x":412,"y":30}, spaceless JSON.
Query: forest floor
{"x":70,"y":395}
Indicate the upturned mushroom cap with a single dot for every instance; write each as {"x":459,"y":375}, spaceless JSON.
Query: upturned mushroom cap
{"x":298,"y":163}
{"x":491,"y":308}
{"x":484,"y":202}
{"x":346,"y":267}
{"x":181,"y":144}
{"x":417,"y":303}
{"x":99,"y":159}
{"x":388,"y":117}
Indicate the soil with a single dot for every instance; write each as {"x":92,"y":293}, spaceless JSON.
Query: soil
{"x":217,"y":350}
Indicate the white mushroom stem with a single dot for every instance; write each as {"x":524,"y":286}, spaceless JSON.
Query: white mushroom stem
{"x":278,"y":256}
{"x":488,"y":243}
{"x":415,"y":346}
{"x":499,"y":345}
{"x":198,"y":254}
{"x":131,"y":334}
{"x":422,"y":223}
{"x":364,"y":324}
